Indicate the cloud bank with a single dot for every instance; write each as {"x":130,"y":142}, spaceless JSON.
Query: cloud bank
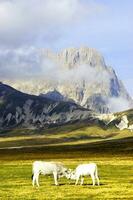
{"x":25,"y":22}
{"x":30,"y":63}
{"x":118,"y":104}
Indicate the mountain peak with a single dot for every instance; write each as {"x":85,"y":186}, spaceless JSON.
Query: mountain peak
{"x":79,"y":74}
{"x":80,"y":56}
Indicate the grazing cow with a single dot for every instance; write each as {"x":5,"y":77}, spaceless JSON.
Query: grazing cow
{"x":48,"y":168}
{"x":85,"y":170}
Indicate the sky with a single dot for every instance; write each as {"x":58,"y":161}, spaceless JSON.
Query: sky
{"x":57,"y":24}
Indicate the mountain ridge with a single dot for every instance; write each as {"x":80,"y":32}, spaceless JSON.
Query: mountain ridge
{"x":19,"y":109}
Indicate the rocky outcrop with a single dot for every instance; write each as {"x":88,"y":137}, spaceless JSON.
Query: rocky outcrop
{"x":123,"y":123}
{"x":121,"y":120}
{"x":107,"y":118}
{"x":130,"y":127}
{"x":79,"y":74}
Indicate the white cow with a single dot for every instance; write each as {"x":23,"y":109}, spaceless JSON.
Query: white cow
{"x":48,"y":168}
{"x":85,"y":170}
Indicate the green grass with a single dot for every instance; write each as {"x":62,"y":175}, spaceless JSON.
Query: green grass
{"x":111,"y":149}
{"x":115,"y":177}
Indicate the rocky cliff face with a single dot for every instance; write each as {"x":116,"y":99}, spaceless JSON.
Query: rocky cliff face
{"x":18,"y":109}
{"x":79,"y":74}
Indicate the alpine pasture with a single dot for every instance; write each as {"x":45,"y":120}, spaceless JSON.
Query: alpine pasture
{"x":112,"y":153}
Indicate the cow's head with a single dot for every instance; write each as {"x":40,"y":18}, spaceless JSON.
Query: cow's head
{"x":71,"y":175}
{"x":65,"y":173}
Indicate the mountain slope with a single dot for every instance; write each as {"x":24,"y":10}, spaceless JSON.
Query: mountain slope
{"x":30,"y":111}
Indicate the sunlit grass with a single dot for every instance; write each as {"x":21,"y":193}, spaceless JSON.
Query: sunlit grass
{"x":115,"y":177}
{"x":110,"y":149}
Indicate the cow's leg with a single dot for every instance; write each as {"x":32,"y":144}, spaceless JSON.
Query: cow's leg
{"x":77,"y":179}
{"x":93,"y":178}
{"x":37,"y":179}
{"x":55,"y":178}
{"x":97,"y":178}
{"x":82,"y":180}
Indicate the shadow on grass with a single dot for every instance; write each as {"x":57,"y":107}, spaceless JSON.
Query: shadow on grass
{"x":85,"y":184}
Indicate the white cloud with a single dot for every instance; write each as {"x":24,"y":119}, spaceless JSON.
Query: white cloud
{"x":118,"y":104}
{"x":25,"y":22}
{"x":25,"y":63}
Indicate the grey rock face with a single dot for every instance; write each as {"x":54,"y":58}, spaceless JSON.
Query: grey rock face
{"x":18,"y":109}
{"x":82,"y":75}
{"x":54,"y":95}
{"x":98,"y":102}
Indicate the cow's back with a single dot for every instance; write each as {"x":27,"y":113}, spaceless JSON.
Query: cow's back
{"x":85,"y":169}
{"x":47,"y":167}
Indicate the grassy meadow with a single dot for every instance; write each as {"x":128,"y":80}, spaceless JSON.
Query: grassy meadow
{"x":111,"y":150}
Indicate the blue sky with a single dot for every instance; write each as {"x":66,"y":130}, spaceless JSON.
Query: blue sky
{"x":57,"y":24}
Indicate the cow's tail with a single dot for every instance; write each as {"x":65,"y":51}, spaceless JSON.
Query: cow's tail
{"x":32,"y":176}
{"x":32,"y":172}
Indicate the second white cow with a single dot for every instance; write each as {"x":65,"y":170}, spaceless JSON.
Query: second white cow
{"x":85,"y":170}
{"x":47,"y":168}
